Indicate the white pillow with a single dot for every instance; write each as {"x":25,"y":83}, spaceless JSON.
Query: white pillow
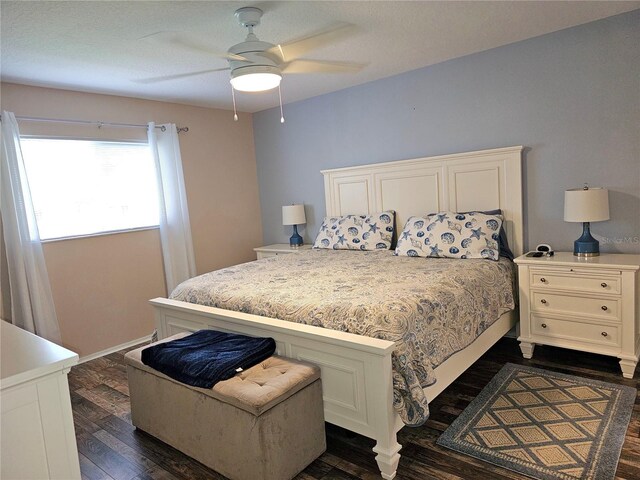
{"x":451,"y":235}
{"x":357,"y":232}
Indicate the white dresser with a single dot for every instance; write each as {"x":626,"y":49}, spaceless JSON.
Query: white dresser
{"x":38,"y":438}
{"x":278,"y":249}
{"x":585,"y":304}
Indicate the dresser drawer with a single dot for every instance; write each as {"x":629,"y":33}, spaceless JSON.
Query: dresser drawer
{"x":605,"y":308}
{"x":608,"y":335}
{"x":578,"y":281}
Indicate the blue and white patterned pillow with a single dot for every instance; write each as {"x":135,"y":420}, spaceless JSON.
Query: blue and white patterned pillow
{"x":503,"y":242}
{"x":357,"y":232}
{"x":451,"y":235}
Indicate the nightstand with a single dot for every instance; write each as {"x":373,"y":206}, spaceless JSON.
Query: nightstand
{"x":585,"y":304}
{"x":278,"y":249}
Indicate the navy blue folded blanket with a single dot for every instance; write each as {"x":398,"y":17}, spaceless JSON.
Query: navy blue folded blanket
{"x":207,"y":357}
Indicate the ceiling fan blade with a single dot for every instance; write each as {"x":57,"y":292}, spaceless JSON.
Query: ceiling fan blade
{"x":296,"y":48}
{"x":317,"y":66}
{"x":165,"y":78}
{"x":183,"y":41}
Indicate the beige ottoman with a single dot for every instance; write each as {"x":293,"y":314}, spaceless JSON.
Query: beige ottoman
{"x":266,"y":423}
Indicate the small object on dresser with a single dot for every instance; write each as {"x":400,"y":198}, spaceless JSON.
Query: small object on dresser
{"x":545,"y":248}
{"x":294,"y":215}
{"x":586,"y":205}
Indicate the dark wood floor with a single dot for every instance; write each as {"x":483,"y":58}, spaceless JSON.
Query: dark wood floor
{"x":110,"y":447}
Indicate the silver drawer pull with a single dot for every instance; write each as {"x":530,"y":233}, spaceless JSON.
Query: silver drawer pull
{"x":543,"y":301}
{"x":544,"y":325}
{"x":603,"y":285}
{"x":543,"y":280}
{"x":604,"y":307}
{"x":604,"y":334}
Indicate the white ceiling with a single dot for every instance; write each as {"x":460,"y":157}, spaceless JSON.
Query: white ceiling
{"x":96,"y":46}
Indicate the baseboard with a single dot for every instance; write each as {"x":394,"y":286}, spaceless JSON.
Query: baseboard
{"x":102,"y":353}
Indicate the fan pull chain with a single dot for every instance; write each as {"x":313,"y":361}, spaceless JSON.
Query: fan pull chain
{"x":281,"y":113}
{"x":235,"y":113}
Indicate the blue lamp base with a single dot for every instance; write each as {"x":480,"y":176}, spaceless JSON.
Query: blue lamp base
{"x":586,"y":245}
{"x":296,"y":240}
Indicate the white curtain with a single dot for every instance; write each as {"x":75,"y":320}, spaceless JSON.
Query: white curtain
{"x":32,"y":305}
{"x":175,"y":230}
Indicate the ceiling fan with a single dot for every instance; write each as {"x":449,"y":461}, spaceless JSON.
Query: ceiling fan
{"x":257,"y":66}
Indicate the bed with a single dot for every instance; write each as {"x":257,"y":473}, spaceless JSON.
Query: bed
{"x":358,"y":379}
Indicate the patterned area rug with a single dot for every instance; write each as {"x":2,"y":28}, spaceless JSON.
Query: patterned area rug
{"x":545,"y":425}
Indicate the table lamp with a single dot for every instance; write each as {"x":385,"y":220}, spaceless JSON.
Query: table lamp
{"x":586,"y":205}
{"x":294,"y":215}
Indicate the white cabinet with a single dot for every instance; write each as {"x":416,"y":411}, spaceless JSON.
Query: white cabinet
{"x":278,"y":249}
{"x":38,"y":439}
{"x":585,"y":304}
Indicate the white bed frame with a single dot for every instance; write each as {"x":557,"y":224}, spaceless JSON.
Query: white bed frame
{"x":356,"y":370}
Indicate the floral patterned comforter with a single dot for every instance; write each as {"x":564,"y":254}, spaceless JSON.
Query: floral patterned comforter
{"x":431,"y":308}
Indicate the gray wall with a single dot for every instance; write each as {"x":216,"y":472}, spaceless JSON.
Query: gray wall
{"x":572,"y":97}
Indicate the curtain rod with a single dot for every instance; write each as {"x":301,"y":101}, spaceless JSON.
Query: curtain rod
{"x":97,"y":123}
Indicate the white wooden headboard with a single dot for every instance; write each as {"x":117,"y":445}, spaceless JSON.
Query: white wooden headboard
{"x":482,"y":180}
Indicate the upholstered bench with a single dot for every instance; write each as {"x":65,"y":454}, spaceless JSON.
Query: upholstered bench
{"x":266,"y":423}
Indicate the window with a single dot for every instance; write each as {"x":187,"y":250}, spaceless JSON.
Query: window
{"x":83,"y":187}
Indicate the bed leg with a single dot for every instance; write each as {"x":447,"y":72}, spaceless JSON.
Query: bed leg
{"x":388,"y":457}
{"x":385,"y":422}
{"x":387,"y":446}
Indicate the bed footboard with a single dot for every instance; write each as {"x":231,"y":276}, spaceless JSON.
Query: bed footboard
{"x":356,"y":371}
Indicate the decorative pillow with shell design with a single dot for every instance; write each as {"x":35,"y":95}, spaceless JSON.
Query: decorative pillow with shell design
{"x":357,"y":232}
{"x":451,"y":235}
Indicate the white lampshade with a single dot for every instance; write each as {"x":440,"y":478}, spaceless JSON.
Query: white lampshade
{"x":586,"y":205}
{"x":293,"y":215}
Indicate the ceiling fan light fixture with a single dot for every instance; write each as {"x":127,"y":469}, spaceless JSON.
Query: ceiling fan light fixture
{"x":256,"y":82}
{"x":255,"y":78}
